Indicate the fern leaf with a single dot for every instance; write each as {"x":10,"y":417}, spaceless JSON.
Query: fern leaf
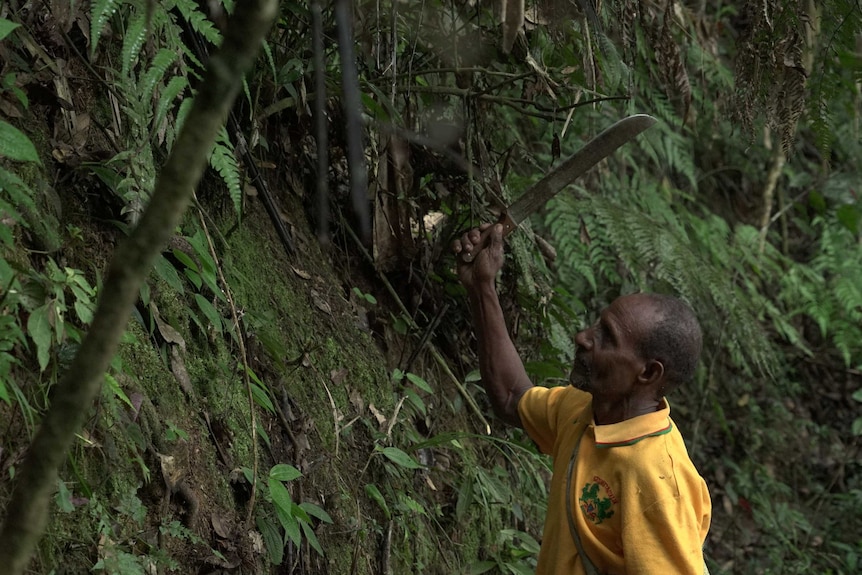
{"x":270,"y":59}
{"x":100,"y":13}
{"x":613,"y":69}
{"x":180,"y":119}
{"x":18,"y":192}
{"x":198,"y":21}
{"x":136,"y":33}
{"x":157,"y":70}
{"x":822,"y":125}
{"x":223,"y":160}
{"x":174,"y":88}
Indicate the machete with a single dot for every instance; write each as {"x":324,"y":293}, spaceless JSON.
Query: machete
{"x":555,"y":181}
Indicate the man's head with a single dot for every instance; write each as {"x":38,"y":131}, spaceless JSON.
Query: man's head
{"x":642,"y":344}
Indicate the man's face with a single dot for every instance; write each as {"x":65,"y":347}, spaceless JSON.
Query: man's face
{"x":607,"y":362}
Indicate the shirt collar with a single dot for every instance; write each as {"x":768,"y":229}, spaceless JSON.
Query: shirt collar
{"x":632,"y":430}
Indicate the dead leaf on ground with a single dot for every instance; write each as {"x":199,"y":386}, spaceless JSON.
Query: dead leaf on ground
{"x":10,"y":109}
{"x":357,"y":402}
{"x":301,"y":273}
{"x":231,"y":562}
{"x":171,"y":471}
{"x":178,"y":368}
{"x":165,"y":329}
{"x":250,"y":190}
{"x":337,"y":376}
{"x":256,"y":542}
{"x":137,"y":400}
{"x":381,"y":419}
{"x":221,"y":526}
{"x":320,"y":303}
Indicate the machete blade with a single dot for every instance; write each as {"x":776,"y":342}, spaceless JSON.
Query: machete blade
{"x":577,"y":164}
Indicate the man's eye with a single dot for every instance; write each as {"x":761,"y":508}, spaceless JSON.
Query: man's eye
{"x":604,"y":334}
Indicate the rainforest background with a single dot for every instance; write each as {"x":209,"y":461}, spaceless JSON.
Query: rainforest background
{"x":303,"y":331}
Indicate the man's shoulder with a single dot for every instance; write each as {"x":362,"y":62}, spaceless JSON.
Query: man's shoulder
{"x":559,"y":393}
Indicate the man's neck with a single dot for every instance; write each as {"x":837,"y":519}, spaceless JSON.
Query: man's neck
{"x":606,"y":412}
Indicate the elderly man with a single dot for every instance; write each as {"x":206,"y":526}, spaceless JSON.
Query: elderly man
{"x":624,"y":496}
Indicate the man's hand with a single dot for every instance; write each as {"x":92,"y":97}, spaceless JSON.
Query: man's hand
{"x":487,"y":245}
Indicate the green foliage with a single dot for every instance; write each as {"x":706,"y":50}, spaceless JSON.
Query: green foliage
{"x":223,"y":160}
{"x":153,"y":74}
{"x":100,"y":12}
{"x":295,"y":519}
{"x":15,"y":145}
{"x":6,"y":27}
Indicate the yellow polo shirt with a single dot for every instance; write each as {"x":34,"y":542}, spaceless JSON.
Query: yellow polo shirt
{"x":639,"y":504}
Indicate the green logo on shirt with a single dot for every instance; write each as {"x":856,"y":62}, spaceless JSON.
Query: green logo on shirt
{"x":594,"y":507}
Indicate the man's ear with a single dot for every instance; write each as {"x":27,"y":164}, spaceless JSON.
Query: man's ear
{"x":652,"y":373}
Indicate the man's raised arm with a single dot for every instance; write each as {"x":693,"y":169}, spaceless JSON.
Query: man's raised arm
{"x":503,"y":375}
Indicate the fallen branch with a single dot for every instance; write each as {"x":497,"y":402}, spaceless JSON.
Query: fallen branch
{"x":27,"y":513}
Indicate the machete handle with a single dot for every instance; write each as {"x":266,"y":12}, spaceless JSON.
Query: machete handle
{"x":509,"y":226}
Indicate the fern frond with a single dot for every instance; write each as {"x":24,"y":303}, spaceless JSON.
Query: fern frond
{"x":136,"y":33}
{"x":821,"y":124}
{"x":174,"y":88}
{"x":158,"y":68}
{"x":268,"y":52}
{"x":19,"y":194}
{"x":198,"y":21}
{"x":100,"y":13}
{"x":223,"y":160}
{"x":180,"y":119}
{"x":659,"y":252}
{"x":612,"y":66}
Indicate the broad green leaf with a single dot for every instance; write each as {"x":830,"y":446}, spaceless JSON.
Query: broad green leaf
{"x":316,"y":511}
{"x":15,"y":145}
{"x":300,"y":514}
{"x":398,"y":457}
{"x":261,"y":398}
{"x":374,"y":493}
{"x":284,"y":472}
{"x":311,"y":537}
{"x":473,"y":376}
{"x":280,"y":495}
{"x":480,"y":567}
{"x":416,"y":401}
{"x":84,"y":311}
{"x":6,"y":27}
{"x":186,"y":260}
{"x":419,"y":382}
{"x":290,"y":524}
{"x":166,"y":271}
{"x":63,"y":498}
{"x":39,"y":330}
{"x":212,"y":315}
{"x":271,"y":539}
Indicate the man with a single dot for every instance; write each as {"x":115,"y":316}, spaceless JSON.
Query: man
{"x":624,"y":492}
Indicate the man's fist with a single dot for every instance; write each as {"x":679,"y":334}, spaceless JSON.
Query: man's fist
{"x":483,"y":247}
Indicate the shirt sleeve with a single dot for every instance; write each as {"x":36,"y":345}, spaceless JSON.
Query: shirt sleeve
{"x":541,"y":408}
{"x":667,"y":535}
